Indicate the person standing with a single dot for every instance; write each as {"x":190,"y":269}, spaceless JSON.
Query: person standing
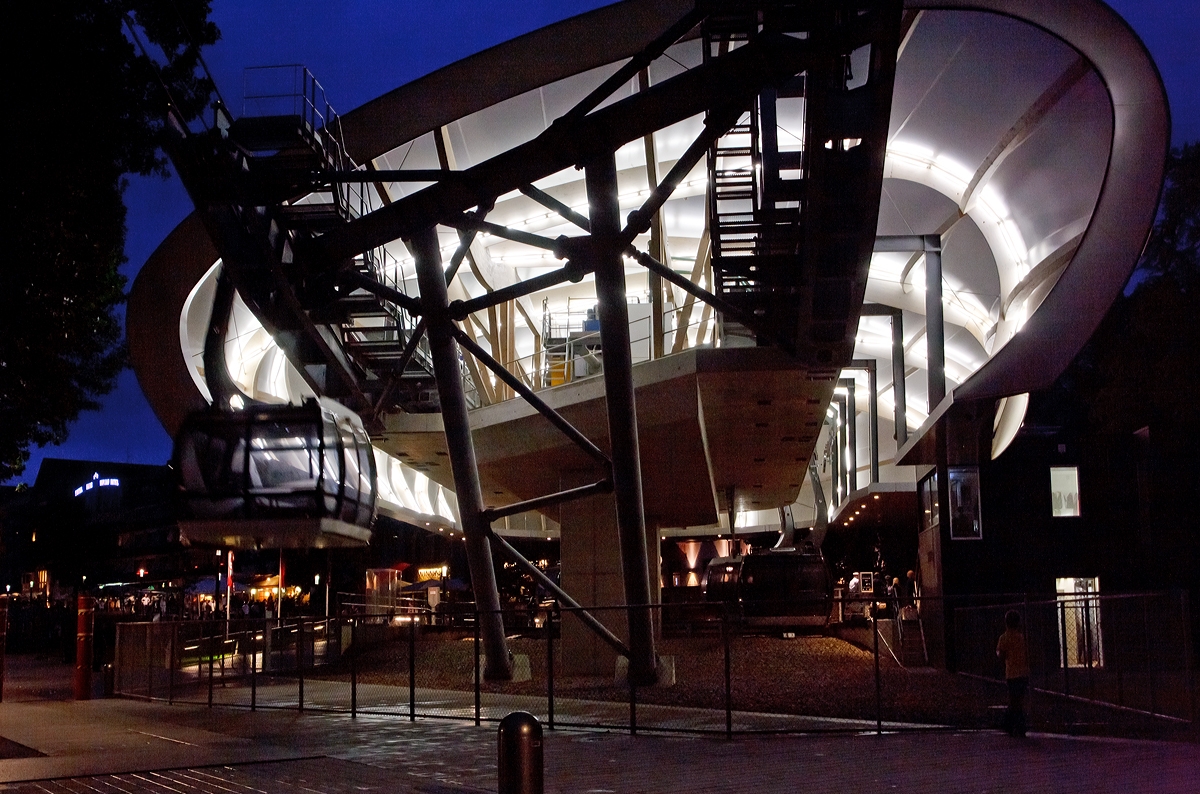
{"x":1014,"y":652}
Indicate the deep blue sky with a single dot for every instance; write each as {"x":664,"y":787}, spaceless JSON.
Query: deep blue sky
{"x":359,"y":49}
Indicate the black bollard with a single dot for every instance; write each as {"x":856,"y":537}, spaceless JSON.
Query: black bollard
{"x":519,"y":769}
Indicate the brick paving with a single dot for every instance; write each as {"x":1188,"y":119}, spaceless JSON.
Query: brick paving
{"x":138,"y":747}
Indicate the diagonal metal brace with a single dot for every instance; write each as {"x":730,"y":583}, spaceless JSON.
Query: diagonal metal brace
{"x":549,"y":500}
{"x":742,"y":73}
{"x":720,"y":304}
{"x":574,"y":271}
{"x":406,"y":302}
{"x":635,"y":64}
{"x":465,"y":240}
{"x":719,"y":121}
{"x":467,"y":222}
{"x":602,"y":631}
{"x":556,"y":206}
{"x":528,"y":394}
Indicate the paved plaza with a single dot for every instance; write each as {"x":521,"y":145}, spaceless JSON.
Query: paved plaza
{"x":134,"y":746}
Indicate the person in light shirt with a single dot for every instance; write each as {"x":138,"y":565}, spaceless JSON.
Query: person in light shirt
{"x":1013,"y":651}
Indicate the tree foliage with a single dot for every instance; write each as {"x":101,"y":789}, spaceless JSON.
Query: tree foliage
{"x":85,"y":109}
{"x":1140,"y":368}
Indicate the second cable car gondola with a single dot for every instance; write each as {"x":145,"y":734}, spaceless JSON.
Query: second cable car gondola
{"x":276,"y":476}
{"x":783,"y":588}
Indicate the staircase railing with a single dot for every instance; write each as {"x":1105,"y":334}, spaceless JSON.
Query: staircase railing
{"x":291,"y":90}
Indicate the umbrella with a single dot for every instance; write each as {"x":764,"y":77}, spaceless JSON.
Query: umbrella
{"x":450,"y":584}
{"x":205,"y":586}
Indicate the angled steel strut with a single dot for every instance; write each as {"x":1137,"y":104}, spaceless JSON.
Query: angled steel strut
{"x":434,"y":301}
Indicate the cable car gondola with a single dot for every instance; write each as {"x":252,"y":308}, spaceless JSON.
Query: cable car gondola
{"x":784,"y":588}
{"x":276,"y":476}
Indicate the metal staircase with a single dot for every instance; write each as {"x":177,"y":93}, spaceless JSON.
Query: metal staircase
{"x":787,"y":238}
{"x":913,"y":651}
{"x":263,"y":182}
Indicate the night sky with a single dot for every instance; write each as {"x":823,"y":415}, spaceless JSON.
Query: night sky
{"x":361,"y":49}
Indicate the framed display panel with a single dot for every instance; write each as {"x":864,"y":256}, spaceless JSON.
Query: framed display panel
{"x":966,"y":519}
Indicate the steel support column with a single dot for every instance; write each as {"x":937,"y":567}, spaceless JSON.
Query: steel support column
{"x":935,"y":327}
{"x":898,"y":391}
{"x":613,"y":313}
{"x":873,"y":411}
{"x":839,"y":429}
{"x":820,"y":506}
{"x":868,"y":366}
{"x":658,"y":241}
{"x":435,"y":308}
{"x":899,"y":380}
{"x":851,"y":435}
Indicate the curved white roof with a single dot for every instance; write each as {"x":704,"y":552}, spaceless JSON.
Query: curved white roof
{"x":1030,"y":135}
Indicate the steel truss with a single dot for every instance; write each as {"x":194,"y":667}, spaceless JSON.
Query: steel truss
{"x":791,"y":263}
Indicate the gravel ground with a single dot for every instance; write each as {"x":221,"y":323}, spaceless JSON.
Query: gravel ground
{"x":808,"y":675}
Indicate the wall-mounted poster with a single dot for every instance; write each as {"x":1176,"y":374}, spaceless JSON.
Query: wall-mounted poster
{"x":965,"y":513}
{"x":930,"y":514}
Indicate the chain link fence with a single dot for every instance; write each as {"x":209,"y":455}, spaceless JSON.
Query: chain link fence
{"x":1118,"y":658}
{"x":865,"y":670}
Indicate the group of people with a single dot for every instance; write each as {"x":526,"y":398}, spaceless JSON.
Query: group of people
{"x":897,"y":595}
{"x":1011,"y":648}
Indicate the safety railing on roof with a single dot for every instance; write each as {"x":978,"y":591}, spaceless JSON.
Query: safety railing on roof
{"x":291,"y":90}
{"x":574,"y":351}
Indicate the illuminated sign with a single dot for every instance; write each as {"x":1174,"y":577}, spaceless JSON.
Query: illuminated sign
{"x":432,"y":572}
{"x":97,"y":482}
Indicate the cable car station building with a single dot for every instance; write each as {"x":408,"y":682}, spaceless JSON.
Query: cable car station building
{"x":650,"y":274}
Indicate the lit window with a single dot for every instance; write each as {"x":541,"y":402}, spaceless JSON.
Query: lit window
{"x":1064,"y":490}
{"x":930,"y":515}
{"x":1080,"y":641}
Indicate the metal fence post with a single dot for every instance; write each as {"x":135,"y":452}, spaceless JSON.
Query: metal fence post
{"x":1114,"y":656}
{"x":1149,"y":656}
{"x":1089,"y":651}
{"x":85,"y":622}
{"x":1027,"y":625}
{"x":253,"y":669}
{"x":300,"y":665}
{"x":632,"y":703}
{"x":728,"y":675}
{"x":4,"y":639}
{"x":171,"y":662}
{"x":412,"y":668}
{"x":211,"y":654}
{"x":1186,"y":617}
{"x":878,"y":684}
{"x":1062,"y":619}
{"x":353,"y":667}
{"x":477,"y":675}
{"x":550,"y":664}
{"x":150,"y":661}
